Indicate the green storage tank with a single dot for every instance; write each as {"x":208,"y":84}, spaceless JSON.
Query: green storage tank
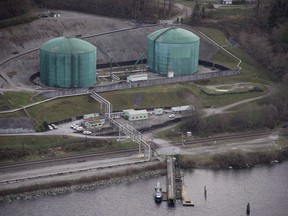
{"x":173,"y":48}
{"x":68,"y":62}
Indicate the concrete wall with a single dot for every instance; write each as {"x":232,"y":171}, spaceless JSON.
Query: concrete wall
{"x":16,"y":130}
{"x":144,"y":83}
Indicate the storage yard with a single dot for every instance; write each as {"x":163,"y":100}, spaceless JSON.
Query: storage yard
{"x":116,"y":41}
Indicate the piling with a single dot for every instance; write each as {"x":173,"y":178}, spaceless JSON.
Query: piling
{"x":205,"y":192}
{"x":248,"y":209}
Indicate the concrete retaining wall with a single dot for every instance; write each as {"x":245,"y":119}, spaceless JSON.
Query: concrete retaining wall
{"x":144,"y":83}
{"x":16,"y":130}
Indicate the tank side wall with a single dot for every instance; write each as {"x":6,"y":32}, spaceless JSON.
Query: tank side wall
{"x":161,"y":59}
{"x":150,"y":55}
{"x":43,"y":66}
{"x":87,"y":69}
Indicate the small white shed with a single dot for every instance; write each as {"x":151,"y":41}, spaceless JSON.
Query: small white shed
{"x":158,"y":111}
{"x":137,"y":77}
{"x":227,"y":2}
{"x":134,"y":115}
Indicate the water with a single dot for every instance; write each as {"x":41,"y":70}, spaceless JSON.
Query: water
{"x":228,"y":192}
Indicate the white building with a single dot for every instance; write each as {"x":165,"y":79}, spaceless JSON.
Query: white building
{"x":180,"y":109}
{"x":134,"y":115}
{"x":227,"y":2}
{"x":158,"y":111}
{"x":137,"y":77}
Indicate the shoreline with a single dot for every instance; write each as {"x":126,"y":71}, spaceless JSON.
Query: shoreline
{"x":235,"y":159}
{"x":228,"y":160}
{"x":81,"y":186}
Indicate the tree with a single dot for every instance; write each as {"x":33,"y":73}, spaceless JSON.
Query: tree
{"x":198,"y":11}
{"x":194,"y":122}
{"x":13,"y":8}
{"x":278,"y":10}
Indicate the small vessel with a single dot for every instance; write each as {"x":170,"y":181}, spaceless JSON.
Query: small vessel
{"x":158,"y":193}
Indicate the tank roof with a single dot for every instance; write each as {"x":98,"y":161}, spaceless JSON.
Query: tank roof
{"x":67,"y":45}
{"x":173,"y":35}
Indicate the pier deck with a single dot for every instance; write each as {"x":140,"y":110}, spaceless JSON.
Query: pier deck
{"x":176,"y":189}
{"x":185,"y":198}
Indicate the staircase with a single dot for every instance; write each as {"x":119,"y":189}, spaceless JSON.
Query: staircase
{"x":127,"y":129}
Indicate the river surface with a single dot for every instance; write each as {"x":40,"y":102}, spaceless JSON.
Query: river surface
{"x":228,"y":193}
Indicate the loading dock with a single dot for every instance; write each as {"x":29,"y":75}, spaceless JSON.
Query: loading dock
{"x":175,"y":187}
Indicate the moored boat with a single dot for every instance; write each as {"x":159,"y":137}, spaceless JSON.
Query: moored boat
{"x":158,"y":193}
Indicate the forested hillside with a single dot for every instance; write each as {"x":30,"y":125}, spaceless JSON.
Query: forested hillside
{"x":266,"y":37}
{"x":133,"y":9}
{"x":13,"y":8}
{"x":260,"y":27}
{"x":145,"y":10}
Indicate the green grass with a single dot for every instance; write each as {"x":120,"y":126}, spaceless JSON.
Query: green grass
{"x":13,"y":114}
{"x":223,"y":100}
{"x":26,"y":18}
{"x":186,"y":3}
{"x":218,"y":36}
{"x":12,"y":100}
{"x":64,"y":108}
{"x":236,"y":158}
{"x":34,"y":142}
{"x":149,"y":97}
{"x":223,"y":58}
{"x":251,"y":70}
{"x":37,"y":147}
{"x":230,"y":12}
{"x":250,"y":67}
{"x":225,"y":90}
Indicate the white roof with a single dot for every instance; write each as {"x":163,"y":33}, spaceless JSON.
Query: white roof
{"x":132,"y":111}
{"x":138,"y":75}
{"x":181,"y":108}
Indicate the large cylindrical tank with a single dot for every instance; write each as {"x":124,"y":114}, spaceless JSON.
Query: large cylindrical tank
{"x":173,"y":49}
{"x":68,"y":62}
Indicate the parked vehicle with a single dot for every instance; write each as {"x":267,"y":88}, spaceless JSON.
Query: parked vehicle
{"x":87,"y":132}
{"x":171,"y":116}
{"x":158,"y":196}
{"x":79,"y":128}
{"x":54,"y":126}
{"x":74,"y":126}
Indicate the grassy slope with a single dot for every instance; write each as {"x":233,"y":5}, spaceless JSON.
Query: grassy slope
{"x":251,"y":70}
{"x":149,"y":97}
{"x":25,"y":18}
{"x":14,"y":100}
{"x":64,"y":108}
{"x":37,"y":147}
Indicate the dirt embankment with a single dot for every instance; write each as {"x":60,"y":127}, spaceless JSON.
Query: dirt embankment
{"x":113,"y":45}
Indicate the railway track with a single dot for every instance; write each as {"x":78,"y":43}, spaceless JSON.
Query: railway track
{"x":105,"y":154}
{"x":123,"y":152}
{"x":78,"y":158}
{"x":227,"y":137}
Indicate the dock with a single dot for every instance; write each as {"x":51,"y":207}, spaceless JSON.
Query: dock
{"x":170,"y":181}
{"x":175,"y":186}
{"x":186,"y":201}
